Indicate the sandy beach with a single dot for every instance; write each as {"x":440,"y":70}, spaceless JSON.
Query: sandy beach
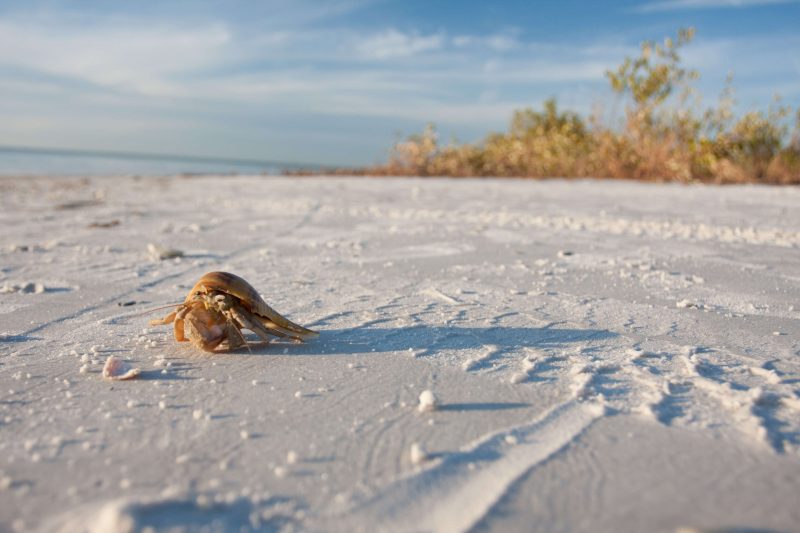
{"x":605,"y":356}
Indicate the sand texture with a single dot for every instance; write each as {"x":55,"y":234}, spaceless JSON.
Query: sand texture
{"x":494,"y":355}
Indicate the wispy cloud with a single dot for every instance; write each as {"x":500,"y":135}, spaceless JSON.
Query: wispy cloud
{"x":499,"y":42}
{"x":386,"y":73}
{"x":143,"y":59}
{"x":392,"y":43}
{"x":678,"y":5}
{"x":219,"y":62}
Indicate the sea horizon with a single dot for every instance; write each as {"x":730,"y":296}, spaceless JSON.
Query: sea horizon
{"x":20,"y":161}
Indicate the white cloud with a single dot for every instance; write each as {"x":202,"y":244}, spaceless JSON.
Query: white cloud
{"x":128,"y":57}
{"x":501,"y":43}
{"x":498,"y":42}
{"x":392,"y":44}
{"x":676,"y":5}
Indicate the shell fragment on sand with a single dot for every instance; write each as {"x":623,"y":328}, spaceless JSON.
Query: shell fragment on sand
{"x":116,"y":369}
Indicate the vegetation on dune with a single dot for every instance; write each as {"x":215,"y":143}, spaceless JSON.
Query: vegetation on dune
{"x":663,"y":137}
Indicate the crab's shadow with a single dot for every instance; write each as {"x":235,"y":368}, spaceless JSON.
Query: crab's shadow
{"x":428,"y":340}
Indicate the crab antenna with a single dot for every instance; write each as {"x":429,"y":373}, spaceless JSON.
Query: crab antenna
{"x":156,"y":309}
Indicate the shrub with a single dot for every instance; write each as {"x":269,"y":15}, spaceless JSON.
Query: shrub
{"x":663,"y":137}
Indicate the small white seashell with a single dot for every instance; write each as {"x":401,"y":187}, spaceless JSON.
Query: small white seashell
{"x":117,"y":370}
{"x":158,"y":252}
{"x":417,"y":454}
{"x":428,"y":401}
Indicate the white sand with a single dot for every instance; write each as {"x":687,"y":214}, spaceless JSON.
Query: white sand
{"x":606,"y":356}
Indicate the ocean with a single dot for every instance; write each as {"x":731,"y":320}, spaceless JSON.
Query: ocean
{"x":39,"y":162}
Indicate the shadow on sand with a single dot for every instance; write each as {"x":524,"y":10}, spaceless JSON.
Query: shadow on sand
{"x":428,"y":340}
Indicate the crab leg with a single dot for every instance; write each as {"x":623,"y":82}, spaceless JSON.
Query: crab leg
{"x":279,"y":331}
{"x":178,"y":332}
{"x":290,"y":328}
{"x":207,"y":338}
{"x":250,"y":322}
{"x":234,"y":335}
{"x":162,"y":321}
{"x":178,"y":327}
{"x":276,"y":321}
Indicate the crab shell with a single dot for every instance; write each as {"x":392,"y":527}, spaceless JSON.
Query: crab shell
{"x":249,"y":297}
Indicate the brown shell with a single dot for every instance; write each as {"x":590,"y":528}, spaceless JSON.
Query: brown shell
{"x":236,"y":286}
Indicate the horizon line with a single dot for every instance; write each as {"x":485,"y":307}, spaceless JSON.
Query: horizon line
{"x":123,"y":154}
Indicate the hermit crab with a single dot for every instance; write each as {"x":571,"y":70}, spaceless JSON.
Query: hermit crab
{"x":219,"y":306}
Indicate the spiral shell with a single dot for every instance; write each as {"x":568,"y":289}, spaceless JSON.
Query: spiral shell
{"x":248,"y":296}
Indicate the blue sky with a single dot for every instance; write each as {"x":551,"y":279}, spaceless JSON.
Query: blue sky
{"x":336,"y":82}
